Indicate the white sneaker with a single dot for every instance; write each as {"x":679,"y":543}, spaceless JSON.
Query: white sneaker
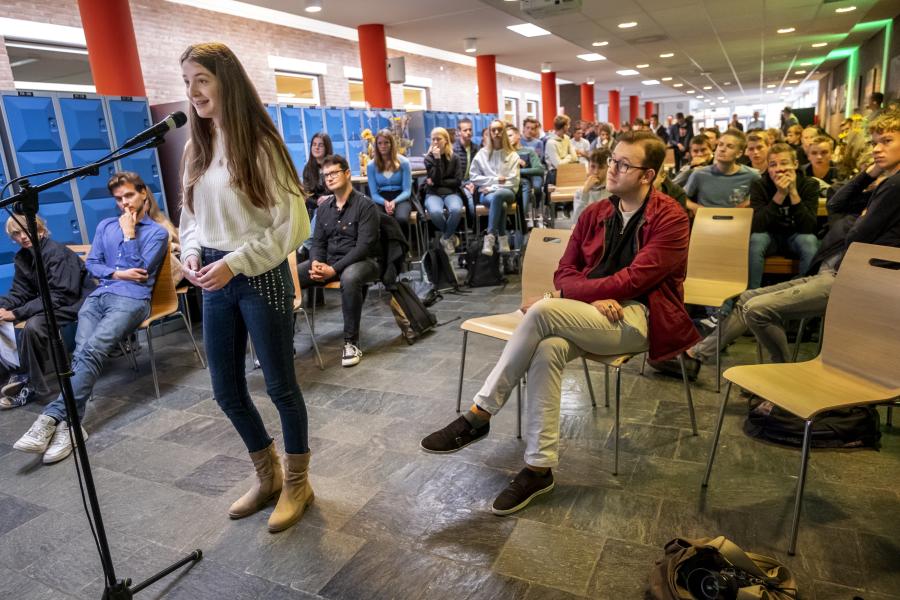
{"x":38,"y":437}
{"x":488,"y":248}
{"x":448,"y":246}
{"x":62,"y":444}
{"x":529,"y":223}
{"x":504,"y":244}
{"x":351,"y":356}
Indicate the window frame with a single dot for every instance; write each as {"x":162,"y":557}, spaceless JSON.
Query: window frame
{"x":315,"y":101}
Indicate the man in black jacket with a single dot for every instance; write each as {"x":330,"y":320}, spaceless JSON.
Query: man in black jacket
{"x":784,"y":203}
{"x":344,"y":247}
{"x":69,"y":284}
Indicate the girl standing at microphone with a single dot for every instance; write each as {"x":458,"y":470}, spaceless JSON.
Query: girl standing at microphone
{"x":243,"y":214}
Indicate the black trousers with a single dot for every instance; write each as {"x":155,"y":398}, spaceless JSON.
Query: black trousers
{"x":33,"y":342}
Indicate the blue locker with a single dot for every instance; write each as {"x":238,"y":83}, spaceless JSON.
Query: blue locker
{"x":8,"y":248}
{"x":272,"y":109}
{"x":384,"y":119}
{"x":370,"y":121}
{"x":334,"y":125}
{"x":129,"y":117}
{"x":6,"y":277}
{"x":431,"y":121}
{"x":354,"y":147}
{"x":353,"y":120}
{"x":294,"y":137}
{"x":62,"y":220}
{"x":443,"y":120}
{"x":313,"y":121}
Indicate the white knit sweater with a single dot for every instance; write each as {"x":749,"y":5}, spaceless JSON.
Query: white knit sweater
{"x":259,"y":239}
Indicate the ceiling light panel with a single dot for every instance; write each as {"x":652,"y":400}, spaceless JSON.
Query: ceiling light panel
{"x":591,"y":57}
{"x":528,"y":30}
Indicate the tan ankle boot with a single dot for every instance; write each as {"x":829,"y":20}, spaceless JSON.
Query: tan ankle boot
{"x":296,"y":494}
{"x":267,"y":484}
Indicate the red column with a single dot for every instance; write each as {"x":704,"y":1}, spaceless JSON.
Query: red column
{"x":373,"y":59}
{"x":614,"y":101}
{"x":587,"y":102}
{"x":112,"y":48}
{"x":634,"y":108}
{"x":486,"y":68}
{"x":548,"y":99}
{"x":648,"y":110}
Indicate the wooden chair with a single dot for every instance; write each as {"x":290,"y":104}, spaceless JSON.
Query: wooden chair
{"x":569,"y":179}
{"x":82,"y":250}
{"x":298,"y":305}
{"x":858,"y":362}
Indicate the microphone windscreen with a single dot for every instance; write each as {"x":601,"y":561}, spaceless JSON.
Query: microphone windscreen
{"x":179,"y":118}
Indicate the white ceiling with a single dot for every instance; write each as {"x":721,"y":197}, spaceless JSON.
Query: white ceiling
{"x":734,"y":41}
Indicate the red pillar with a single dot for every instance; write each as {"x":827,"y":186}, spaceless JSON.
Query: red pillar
{"x":486,"y":68}
{"x":112,"y":48}
{"x":634,"y":108}
{"x":587,"y":102}
{"x":648,"y":110}
{"x":614,"y":101}
{"x":548,"y":99}
{"x":373,"y":59}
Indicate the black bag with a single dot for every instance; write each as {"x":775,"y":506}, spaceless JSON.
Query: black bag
{"x":439,"y":270}
{"x":410,"y":313}
{"x":483,"y":270}
{"x":843,"y":428}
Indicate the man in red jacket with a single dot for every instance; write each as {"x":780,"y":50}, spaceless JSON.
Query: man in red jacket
{"x":618,"y":290}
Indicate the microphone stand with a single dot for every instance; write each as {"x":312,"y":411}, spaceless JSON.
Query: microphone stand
{"x":26,"y":203}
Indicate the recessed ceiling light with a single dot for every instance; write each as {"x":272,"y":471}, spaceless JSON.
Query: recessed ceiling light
{"x":793,"y":81}
{"x":627,"y":72}
{"x":591,"y":57}
{"x":690,"y":91}
{"x":313,"y":6}
{"x":787,"y":30}
{"x":770,"y":92}
{"x":590,"y":81}
{"x":711,"y":102}
{"x":707,"y":87}
{"x":528,"y":30}
{"x":628,"y":25}
{"x":642,"y":66}
{"x":598,"y":44}
{"x":677,"y":85}
{"x":721,"y":97}
{"x":667,"y":79}
{"x":471,"y":45}
{"x":819,"y":44}
{"x":845,"y":9}
{"x":800,"y":72}
{"x":771,"y":85}
{"x":699,"y":97}
{"x":727,"y":83}
{"x":667,"y":55}
{"x":650,"y":82}
{"x":546,"y":67}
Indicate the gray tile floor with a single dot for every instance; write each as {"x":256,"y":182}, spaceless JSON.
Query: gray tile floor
{"x":390,"y":521}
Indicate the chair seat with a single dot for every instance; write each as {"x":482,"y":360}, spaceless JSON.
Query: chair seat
{"x":564,"y":194}
{"x":708,"y":292}
{"x":808,"y":388}
{"x":482,"y":211}
{"x":499,"y":327}
{"x":610,"y":360}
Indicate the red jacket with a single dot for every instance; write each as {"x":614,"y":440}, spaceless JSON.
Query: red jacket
{"x":656,"y":273}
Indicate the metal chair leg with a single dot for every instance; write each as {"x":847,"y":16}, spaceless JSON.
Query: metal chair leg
{"x":462,"y":368}
{"x":152,"y":359}
{"x":719,"y":353}
{"x":800,"y":330}
{"x":616,"y":427}
{"x":590,"y":385}
{"x":759,"y":354}
{"x":519,"y":410}
{"x":889,"y":423}
{"x":801,"y":481}
{"x":715,"y":442}
{"x":129,"y":353}
{"x":687,"y":393}
{"x":193,"y":341}
{"x":315,"y":345}
{"x":643,"y":362}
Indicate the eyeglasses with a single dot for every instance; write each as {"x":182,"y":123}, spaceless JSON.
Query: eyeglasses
{"x":332,"y":174}
{"x":621,"y":166}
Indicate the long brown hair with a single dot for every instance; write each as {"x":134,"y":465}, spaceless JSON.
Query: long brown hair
{"x":254,"y":150}
{"x":381,"y":164}
{"x":150,"y":204}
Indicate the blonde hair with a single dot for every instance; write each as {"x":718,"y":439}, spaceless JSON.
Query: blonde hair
{"x":888,"y":121}
{"x":14,"y":224}
{"x":391,"y":164}
{"x":505,"y":145}
{"x":445,"y":135}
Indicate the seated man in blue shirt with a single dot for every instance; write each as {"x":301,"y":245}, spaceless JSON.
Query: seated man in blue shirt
{"x":125,"y":257}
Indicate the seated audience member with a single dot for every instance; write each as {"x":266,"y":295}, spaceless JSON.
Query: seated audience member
{"x":784,"y":203}
{"x":755,"y":122}
{"x":794,"y":140}
{"x":559,"y":149}
{"x":313,"y":185}
{"x":590,"y":131}
{"x":69,"y":282}
{"x":725,"y":183}
{"x":788,"y":120}
{"x":495,"y":173}
{"x":820,"y":165}
{"x":345,"y":244}
{"x":531,"y":175}
{"x":637,"y":125}
{"x":581,"y":145}
{"x":465,"y":151}
{"x":531,"y":136}
{"x":758,"y":151}
{"x":663,"y":184}
{"x":390,"y":178}
{"x":125,"y":257}
{"x":712,"y":134}
{"x":735,"y":123}
{"x":701,"y":156}
{"x":774,"y":134}
{"x":594,"y":188}
{"x":618,"y":288}
{"x":604,"y":137}
{"x":679,"y":136}
{"x":806,"y":138}
{"x":872,"y":219}
{"x":442,"y":188}
{"x":655,"y":127}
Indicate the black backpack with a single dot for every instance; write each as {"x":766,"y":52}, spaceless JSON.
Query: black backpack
{"x":410,"y":313}
{"x":483,"y":270}
{"x":843,"y":428}
{"x":439,"y":270}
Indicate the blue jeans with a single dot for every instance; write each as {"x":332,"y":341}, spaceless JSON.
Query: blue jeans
{"x":498,"y":201}
{"x":528,"y":184}
{"x":103,"y":321}
{"x":802,"y":245}
{"x":263,"y":308}
{"x":435,"y":204}
{"x":307,"y":243}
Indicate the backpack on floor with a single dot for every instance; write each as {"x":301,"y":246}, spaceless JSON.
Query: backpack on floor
{"x":439,"y":270}
{"x":483,"y":270}
{"x":410,"y":313}
{"x":843,"y":428}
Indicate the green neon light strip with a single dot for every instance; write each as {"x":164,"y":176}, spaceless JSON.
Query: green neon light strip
{"x":852,"y":68}
{"x":888,"y":33}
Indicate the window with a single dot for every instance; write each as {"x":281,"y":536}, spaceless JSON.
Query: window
{"x":39,"y":66}
{"x":511,"y":110}
{"x":357,"y":97}
{"x":297,"y":88}
{"x":415,"y":98}
{"x":532,"y":108}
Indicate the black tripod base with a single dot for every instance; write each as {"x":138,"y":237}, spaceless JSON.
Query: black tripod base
{"x":123,"y":590}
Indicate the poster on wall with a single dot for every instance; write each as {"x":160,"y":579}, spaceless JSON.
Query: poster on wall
{"x":893,"y":90}
{"x":872,"y":84}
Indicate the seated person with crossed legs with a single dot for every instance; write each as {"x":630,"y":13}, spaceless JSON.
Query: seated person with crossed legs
{"x":618,"y":290}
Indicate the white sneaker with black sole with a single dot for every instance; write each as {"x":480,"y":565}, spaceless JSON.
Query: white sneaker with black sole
{"x":38,"y":437}
{"x":351,"y":356}
{"x":62,"y":444}
{"x":448,"y":246}
{"x":503,"y":241}
{"x":488,"y":248}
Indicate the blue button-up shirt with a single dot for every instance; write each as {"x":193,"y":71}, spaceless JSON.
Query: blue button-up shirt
{"x":110,"y":252}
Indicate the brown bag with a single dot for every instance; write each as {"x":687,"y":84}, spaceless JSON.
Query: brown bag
{"x":716,"y":568}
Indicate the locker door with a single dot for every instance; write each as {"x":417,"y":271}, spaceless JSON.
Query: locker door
{"x":87,"y":137}
{"x":313,"y":121}
{"x":8,"y":248}
{"x":6,"y":277}
{"x":431,"y":121}
{"x":384,"y":119}
{"x":129,"y":117}
{"x":272,"y":109}
{"x":334,"y":126}
{"x":292,"y":131}
{"x":353,"y":120}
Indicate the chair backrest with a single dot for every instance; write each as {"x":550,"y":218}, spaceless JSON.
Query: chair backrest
{"x":720,"y":244}
{"x":570,"y":175}
{"x":164,"y":299}
{"x":542,"y":254}
{"x":862,"y":323}
{"x":82,"y":250}
{"x":292,"y":266}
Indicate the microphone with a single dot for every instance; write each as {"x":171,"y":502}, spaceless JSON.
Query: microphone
{"x":173,"y":121}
